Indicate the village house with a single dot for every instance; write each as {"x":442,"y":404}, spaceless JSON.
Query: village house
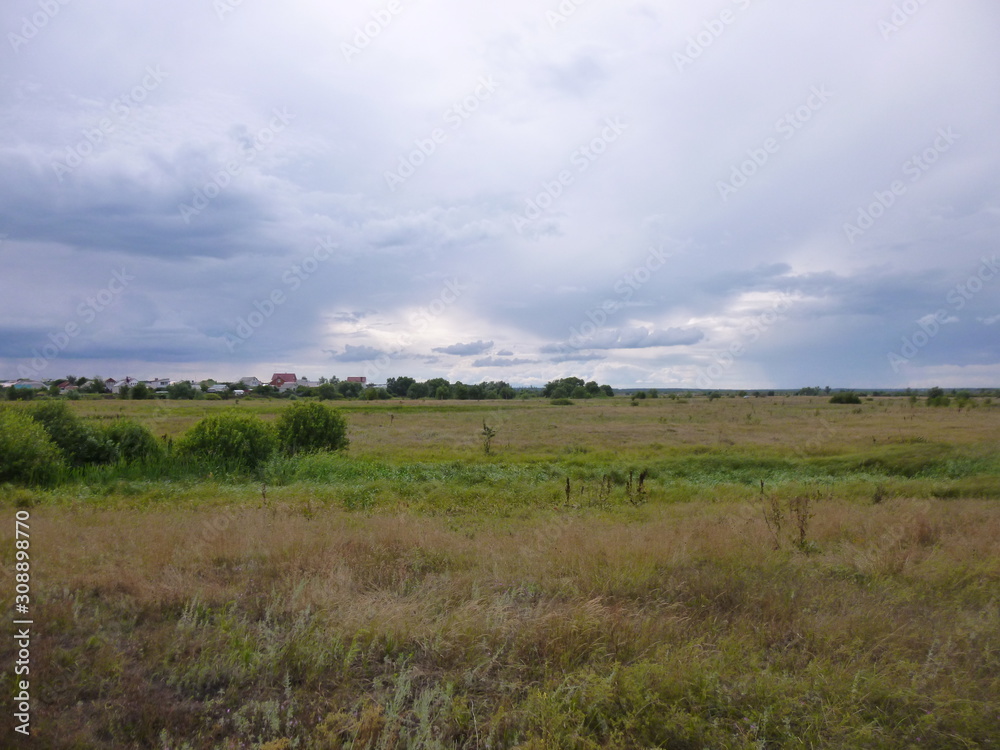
{"x":115,"y":386}
{"x":25,"y":384}
{"x":284,"y":381}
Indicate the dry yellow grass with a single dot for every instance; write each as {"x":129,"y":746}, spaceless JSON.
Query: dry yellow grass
{"x":238,"y":599}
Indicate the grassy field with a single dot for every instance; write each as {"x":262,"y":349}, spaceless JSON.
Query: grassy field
{"x":761,"y":573}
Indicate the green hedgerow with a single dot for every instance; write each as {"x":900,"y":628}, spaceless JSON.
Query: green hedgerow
{"x":27,"y":453}
{"x":231,"y":438}
{"x":308,"y":426}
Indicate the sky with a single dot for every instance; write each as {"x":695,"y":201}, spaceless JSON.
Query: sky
{"x":717,"y":194}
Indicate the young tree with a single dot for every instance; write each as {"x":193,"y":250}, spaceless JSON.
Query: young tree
{"x":350,"y":390}
{"x":308,"y":426}
{"x":79,"y":441}
{"x":434,"y":386}
{"x":141,"y":392}
{"x":399,"y":386}
{"x":327,"y":391}
{"x":181,"y":390}
{"x":27,"y":453}
{"x":417,"y":390}
{"x":233,"y":438}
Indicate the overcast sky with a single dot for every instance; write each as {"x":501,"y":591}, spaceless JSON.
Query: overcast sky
{"x":729,"y":193}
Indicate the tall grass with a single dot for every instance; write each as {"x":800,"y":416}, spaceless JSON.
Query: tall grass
{"x":671,"y":626}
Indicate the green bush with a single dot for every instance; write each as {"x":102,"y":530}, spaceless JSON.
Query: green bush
{"x":847,"y":397}
{"x":80,"y":442}
{"x":27,"y":453}
{"x":561,"y":402}
{"x":231,"y":438}
{"x":132,"y":441}
{"x":308,"y":426}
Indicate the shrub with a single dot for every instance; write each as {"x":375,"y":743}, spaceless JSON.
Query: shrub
{"x":27,"y":453}
{"x":561,"y":402}
{"x":936,"y":397}
{"x":847,"y":397}
{"x":181,"y":390}
{"x":79,"y":441}
{"x":231,"y":438}
{"x":132,"y":441}
{"x":308,"y":426}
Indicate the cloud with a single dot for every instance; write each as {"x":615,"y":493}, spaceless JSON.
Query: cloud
{"x":357,"y":354}
{"x":628,"y":338}
{"x":502,"y":362}
{"x":475,"y":347}
{"x":577,"y":357}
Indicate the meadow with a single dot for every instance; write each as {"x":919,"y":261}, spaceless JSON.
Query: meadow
{"x":676,"y":573}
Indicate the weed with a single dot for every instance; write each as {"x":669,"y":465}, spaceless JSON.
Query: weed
{"x":636,"y":494}
{"x":774,"y":516}
{"x":879,"y":495}
{"x":487,"y":434}
{"x":799,"y":509}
